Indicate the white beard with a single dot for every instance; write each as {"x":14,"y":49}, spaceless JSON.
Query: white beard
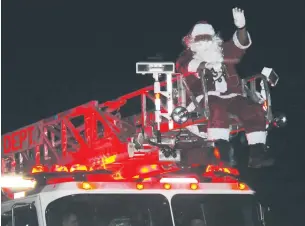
{"x":211,"y":52}
{"x":208,"y":51}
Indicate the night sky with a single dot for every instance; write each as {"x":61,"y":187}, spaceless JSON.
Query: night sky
{"x":59,"y":54}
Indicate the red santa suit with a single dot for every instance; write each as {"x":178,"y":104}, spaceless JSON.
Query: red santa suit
{"x":225,"y":92}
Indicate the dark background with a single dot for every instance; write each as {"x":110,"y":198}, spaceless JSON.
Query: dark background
{"x":60,"y":54}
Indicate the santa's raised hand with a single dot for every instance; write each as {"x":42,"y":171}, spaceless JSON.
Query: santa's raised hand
{"x":239,"y":17}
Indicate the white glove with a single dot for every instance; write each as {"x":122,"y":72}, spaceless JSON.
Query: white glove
{"x":239,"y":17}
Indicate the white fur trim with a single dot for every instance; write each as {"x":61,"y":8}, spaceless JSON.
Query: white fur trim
{"x":203,"y":29}
{"x":195,"y":130}
{"x":203,"y":135}
{"x":218,"y":94}
{"x":191,"y":106}
{"x":193,"y":65}
{"x":237,"y":43}
{"x":258,"y":137}
{"x":218,"y":133}
{"x":222,"y":86}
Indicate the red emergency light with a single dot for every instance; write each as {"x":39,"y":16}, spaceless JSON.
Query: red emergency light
{"x":212,"y":169}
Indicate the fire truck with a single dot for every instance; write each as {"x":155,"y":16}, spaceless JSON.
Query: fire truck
{"x":96,"y":165}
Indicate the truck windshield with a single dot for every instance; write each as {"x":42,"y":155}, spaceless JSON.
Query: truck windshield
{"x":215,"y":210}
{"x":109,"y":210}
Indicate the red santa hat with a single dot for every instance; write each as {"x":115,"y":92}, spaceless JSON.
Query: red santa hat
{"x":200,"y":28}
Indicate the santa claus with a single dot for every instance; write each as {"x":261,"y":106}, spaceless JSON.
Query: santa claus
{"x":206,"y":50}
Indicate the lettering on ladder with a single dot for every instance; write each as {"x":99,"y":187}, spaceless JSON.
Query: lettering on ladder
{"x":22,"y":139}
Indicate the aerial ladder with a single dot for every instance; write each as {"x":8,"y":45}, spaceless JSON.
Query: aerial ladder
{"x":94,"y":134}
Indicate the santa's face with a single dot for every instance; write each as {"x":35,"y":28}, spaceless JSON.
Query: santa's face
{"x":207,"y":48}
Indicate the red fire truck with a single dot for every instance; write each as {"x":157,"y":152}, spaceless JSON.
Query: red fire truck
{"x":97,"y":165}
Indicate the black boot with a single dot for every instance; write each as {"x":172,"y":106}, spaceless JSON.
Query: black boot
{"x":225,"y":152}
{"x":258,"y":157}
